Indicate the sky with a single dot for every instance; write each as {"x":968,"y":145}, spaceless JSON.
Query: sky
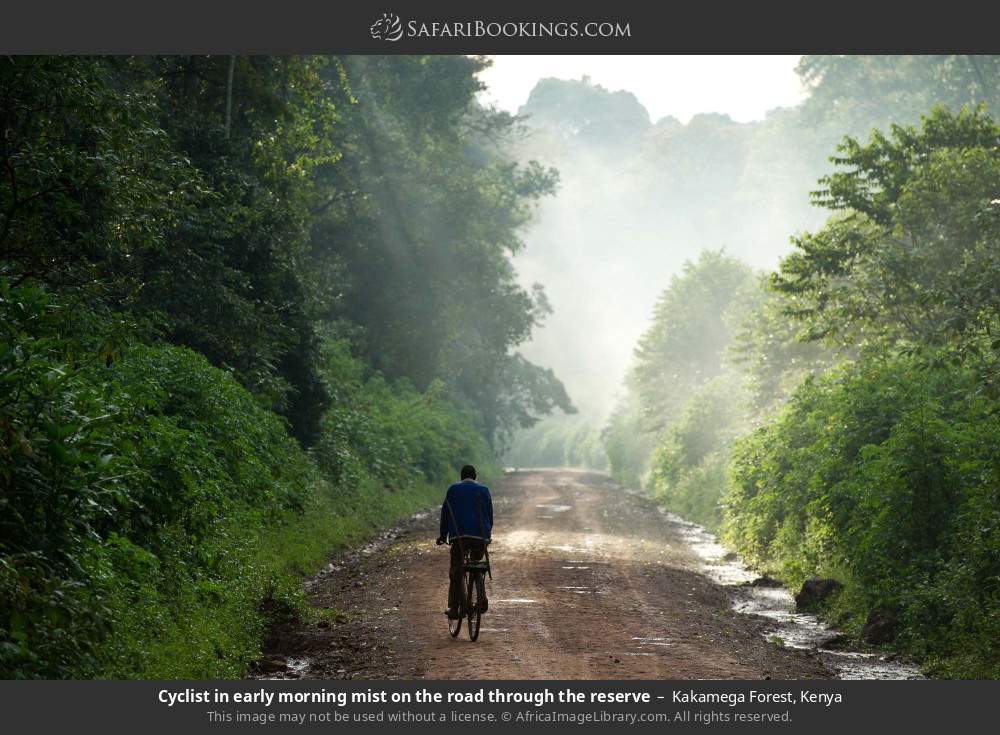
{"x":744,"y":87}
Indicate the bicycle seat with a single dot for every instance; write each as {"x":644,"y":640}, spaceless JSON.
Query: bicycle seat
{"x":476,"y":566}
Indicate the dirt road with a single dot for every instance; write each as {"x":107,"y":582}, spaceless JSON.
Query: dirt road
{"x":589,"y":582}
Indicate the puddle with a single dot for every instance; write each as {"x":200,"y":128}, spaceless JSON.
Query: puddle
{"x":868,"y":666}
{"x":576,"y":567}
{"x":653,"y":641}
{"x":518,"y":601}
{"x":794,"y":629}
{"x":556,"y":508}
{"x":295,"y":668}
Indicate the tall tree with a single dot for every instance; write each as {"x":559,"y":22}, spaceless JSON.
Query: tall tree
{"x":423,"y":213}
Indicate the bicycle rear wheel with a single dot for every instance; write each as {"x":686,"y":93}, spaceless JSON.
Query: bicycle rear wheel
{"x":475,"y":594}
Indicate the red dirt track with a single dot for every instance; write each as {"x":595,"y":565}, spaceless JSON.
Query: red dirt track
{"x":589,"y":582}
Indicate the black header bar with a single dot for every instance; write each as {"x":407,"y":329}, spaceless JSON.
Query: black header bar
{"x":511,"y":26}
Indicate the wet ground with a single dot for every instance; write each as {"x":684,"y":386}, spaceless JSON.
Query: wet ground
{"x":589,"y":582}
{"x":787,"y":626}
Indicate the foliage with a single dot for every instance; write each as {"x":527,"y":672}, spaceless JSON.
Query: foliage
{"x":871,"y":358}
{"x":146,"y":496}
{"x":563,"y":440}
{"x":587,"y":111}
{"x":423,"y":212}
{"x":861,"y":92}
{"x":693,"y":325}
{"x":392,"y":433}
{"x":208,"y":266}
{"x":884,"y":472}
{"x":627,"y":445}
{"x":130,"y":459}
{"x":914,"y":258}
{"x":234,"y":282}
{"x":694,"y":322}
{"x":235,"y":202}
{"x":772,"y":353}
{"x":688,"y":468}
{"x":660,"y":191}
{"x":86,"y":174}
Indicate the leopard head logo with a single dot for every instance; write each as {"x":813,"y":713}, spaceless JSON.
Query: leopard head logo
{"x":387,"y":28}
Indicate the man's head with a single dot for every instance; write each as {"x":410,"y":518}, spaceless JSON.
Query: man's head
{"x":468,"y":472}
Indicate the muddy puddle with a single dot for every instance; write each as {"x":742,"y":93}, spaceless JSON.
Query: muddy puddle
{"x":788,"y":626}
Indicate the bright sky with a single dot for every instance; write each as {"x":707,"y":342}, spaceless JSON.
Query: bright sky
{"x":745,"y":87}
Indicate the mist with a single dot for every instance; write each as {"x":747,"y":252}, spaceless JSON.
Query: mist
{"x":637,"y":198}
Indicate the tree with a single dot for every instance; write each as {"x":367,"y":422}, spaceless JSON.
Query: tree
{"x":913,"y":257}
{"x":862,"y":92}
{"x":423,"y":213}
{"x":237,"y":284}
{"x":586,"y":112}
{"x":685,"y":347}
{"x":693,"y":325}
{"x":772,"y":352}
{"x":88,"y":178}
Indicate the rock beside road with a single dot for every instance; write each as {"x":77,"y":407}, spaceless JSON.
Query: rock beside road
{"x":816,"y":590}
{"x":880,"y":627}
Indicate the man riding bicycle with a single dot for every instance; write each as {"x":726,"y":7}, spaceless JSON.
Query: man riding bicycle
{"x":466,"y":524}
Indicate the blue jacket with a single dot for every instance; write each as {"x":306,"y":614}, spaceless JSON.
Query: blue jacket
{"x":473,"y":508}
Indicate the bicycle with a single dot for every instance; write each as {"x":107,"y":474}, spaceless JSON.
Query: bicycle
{"x":474,"y":574}
{"x":473,"y":604}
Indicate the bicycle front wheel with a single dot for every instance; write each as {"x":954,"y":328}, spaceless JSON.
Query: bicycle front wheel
{"x":475,"y":595}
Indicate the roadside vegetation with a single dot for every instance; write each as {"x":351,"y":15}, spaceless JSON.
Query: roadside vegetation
{"x":251,"y":310}
{"x":838,"y":417}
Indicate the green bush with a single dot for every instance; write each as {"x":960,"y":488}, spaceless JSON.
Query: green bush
{"x":155,"y":517}
{"x":118,"y":475}
{"x":391,"y":432}
{"x":885,"y":474}
{"x":57,"y":485}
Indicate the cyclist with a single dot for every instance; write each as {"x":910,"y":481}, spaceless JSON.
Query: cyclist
{"x":469,"y":505}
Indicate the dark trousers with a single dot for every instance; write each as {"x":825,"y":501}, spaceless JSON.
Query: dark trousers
{"x":476,"y":550}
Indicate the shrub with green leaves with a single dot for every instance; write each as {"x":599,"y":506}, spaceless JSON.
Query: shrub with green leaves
{"x":884,"y":474}
{"x":118,"y":471}
{"x":155,"y":515}
{"x":391,"y":432}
